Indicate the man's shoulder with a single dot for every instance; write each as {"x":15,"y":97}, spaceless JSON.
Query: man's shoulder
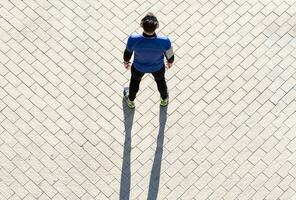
{"x":164,"y":41}
{"x":135,"y":36}
{"x":162,"y":37}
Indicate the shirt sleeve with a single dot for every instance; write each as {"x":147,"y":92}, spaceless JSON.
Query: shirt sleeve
{"x":128,"y":52}
{"x":169,"y":53}
{"x":129,"y":45}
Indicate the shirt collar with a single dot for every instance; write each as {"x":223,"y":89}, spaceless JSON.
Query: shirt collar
{"x":149,"y":36}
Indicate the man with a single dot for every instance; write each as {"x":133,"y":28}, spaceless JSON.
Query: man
{"x":149,"y":50}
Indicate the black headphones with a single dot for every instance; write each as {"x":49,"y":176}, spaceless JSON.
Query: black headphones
{"x":150,"y":18}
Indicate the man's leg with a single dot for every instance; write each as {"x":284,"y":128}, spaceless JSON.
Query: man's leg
{"x":161,"y":83}
{"x":135,"y":83}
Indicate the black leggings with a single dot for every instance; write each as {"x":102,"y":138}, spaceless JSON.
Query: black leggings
{"x":136,"y":79}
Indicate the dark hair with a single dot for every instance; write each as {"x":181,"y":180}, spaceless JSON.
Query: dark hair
{"x":149,"y":23}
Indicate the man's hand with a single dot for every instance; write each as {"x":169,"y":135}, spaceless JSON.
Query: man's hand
{"x":126,"y":65}
{"x":169,"y":65}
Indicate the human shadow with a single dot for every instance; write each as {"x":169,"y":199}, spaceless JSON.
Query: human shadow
{"x":125,"y":182}
{"x":156,"y":167}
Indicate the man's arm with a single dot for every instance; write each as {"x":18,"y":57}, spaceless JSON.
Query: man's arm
{"x":169,"y":54}
{"x":127,"y":55}
{"x":128,"y":52}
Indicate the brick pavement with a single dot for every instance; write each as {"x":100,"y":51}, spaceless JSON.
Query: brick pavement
{"x":228,"y":133}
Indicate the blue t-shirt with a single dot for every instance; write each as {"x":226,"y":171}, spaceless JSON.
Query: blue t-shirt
{"x":148,"y":51}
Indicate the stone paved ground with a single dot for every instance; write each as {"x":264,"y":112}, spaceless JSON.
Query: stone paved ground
{"x":228,"y":133}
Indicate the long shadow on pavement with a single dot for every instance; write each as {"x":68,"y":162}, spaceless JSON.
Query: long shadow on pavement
{"x":125,"y":182}
{"x":155,"y":172}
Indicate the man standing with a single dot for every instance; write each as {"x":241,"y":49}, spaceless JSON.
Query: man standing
{"x":149,"y":51}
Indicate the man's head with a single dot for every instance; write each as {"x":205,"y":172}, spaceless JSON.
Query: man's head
{"x":149,"y":23}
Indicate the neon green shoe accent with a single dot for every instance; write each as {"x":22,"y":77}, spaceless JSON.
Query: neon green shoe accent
{"x":130,"y":104}
{"x":164,"y":102}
